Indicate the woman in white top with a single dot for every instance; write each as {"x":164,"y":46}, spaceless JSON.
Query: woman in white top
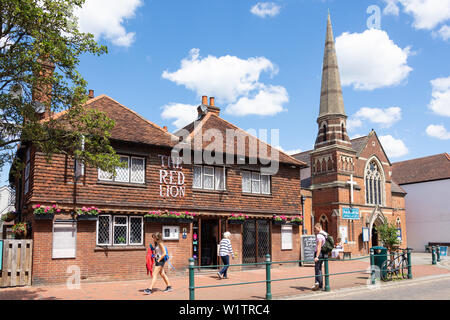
{"x":160,"y":260}
{"x":225,"y":250}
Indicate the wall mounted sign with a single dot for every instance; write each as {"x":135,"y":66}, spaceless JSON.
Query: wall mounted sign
{"x":171,"y":177}
{"x":184,"y":233}
{"x":399,"y":234}
{"x":365,"y":234}
{"x":350,"y":213}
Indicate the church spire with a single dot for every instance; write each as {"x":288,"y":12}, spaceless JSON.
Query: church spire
{"x":331,"y":99}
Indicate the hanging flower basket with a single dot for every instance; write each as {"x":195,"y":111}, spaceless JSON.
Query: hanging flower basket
{"x":9,"y":216}
{"x":169,"y":217}
{"x":45,"y":213}
{"x":20,"y":230}
{"x":87,"y":214}
{"x":297,"y":221}
{"x":237,"y":218}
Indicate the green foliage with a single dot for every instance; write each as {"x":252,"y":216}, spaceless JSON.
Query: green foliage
{"x":35,"y":37}
{"x":387,"y":234}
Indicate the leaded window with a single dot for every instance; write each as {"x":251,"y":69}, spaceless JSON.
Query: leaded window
{"x":134,"y":171}
{"x":209,"y":178}
{"x":120,"y":230}
{"x":374,"y":184}
{"x":254,"y":182}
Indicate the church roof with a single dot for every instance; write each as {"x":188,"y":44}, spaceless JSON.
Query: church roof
{"x":331,"y":98}
{"x":431,"y":168}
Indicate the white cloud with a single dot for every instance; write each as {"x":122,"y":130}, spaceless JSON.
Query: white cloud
{"x":383,"y":117}
{"x":438,"y":131}
{"x":371,"y":60}
{"x":268,"y":101}
{"x":440,"y":102}
{"x":394,"y":147}
{"x":105,"y":19}
{"x":265,"y":9}
{"x":182,"y":113}
{"x":233,"y":81}
{"x":288,"y":152}
{"x":427,"y":13}
{"x":444,"y":32}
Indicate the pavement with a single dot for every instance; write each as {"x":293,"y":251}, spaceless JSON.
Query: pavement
{"x":286,"y":289}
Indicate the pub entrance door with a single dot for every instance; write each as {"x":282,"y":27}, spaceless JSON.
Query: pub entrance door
{"x":256,"y":241}
{"x":207,"y":233}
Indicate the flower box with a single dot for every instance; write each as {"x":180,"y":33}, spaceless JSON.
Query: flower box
{"x":48,"y":216}
{"x":278,"y":222}
{"x":236,"y":221}
{"x":87,"y":217}
{"x":297,"y":223}
{"x":169,"y":217}
{"x":168,"y":220}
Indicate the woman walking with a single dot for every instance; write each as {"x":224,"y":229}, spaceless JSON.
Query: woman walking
{"x":225,"y":250}
{"x":160,"y":260}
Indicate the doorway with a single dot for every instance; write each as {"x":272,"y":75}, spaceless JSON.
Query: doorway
{"x":374,"y":236}
{"x":209,"y":241}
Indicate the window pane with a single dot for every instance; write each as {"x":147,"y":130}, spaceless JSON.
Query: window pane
{"x":265,"y":184}
{"x":122,"y":174}
{"x":208,"y":178}
{"x":64,"y":239}
{"x":197,"y":181}
{"x":219,"y":178}
{"x":246,"y":181}
{"x":135,"y":230}
{"x":379,"y":192}
{"x":103,"y":230}
{"x":256,"y":182}
{"x":120,"y":230}
{"x":137,"y":170}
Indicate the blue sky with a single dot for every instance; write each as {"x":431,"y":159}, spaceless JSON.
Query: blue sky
{"x":262,"y":61}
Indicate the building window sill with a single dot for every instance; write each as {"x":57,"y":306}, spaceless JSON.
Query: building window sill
{"x":210,"y":191}
{"x":122,"y":184}
{"x":119,"y":248}
{"x":257,"y":195}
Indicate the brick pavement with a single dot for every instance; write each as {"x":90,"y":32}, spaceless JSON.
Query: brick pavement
{"x":133,"y":290}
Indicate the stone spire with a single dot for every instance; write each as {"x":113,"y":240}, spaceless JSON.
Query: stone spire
{"x":331,"y":99}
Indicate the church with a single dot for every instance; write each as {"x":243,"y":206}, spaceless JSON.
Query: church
{"x":350,"y":179}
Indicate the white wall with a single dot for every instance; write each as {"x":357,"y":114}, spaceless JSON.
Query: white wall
{"x":427,"y":213}
{"x":5,"y":200}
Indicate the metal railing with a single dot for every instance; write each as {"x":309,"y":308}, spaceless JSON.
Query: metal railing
{"x":268,"y":266}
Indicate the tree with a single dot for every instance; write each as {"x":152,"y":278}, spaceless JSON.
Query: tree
{"x":388,"y":235}
{"x":40,"y":47}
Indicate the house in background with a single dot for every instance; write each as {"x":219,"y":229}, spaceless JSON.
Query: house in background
{"x":427,"y":183}
{"x":6,"y":205}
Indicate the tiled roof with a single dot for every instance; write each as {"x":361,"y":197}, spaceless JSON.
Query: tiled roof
{"x":395,"y":188}
{"x":129,"y":125}
{"x":430,"y":168}
{"x":213,"y":121}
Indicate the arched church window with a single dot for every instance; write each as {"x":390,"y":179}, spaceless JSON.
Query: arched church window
{"x":374,"y":183}
{"x":324,"y":222}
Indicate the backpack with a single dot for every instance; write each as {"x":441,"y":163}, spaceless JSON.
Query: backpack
{"x":328,"y":246}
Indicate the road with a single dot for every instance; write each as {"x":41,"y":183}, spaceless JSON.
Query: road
{"x":423,"y":289}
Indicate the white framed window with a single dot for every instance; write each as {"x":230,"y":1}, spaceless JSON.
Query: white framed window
{"x":133,"y":172}
{"x":209,"y":178}
{"x":286,"y":237}
{"x":64,"y":239}
{"x":120,"y":230}
{"x":254,"y":182}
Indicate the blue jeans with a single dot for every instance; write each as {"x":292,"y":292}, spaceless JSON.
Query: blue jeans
{"x":318,"y":270}
{"x":226,"y":262}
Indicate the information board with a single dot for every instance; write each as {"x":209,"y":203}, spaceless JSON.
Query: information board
{"x":308,"y":249}
{"x":350,"y":213}
{"x":365,"y":234}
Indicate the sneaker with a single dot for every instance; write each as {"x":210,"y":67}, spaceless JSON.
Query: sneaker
{"x":220,"y":275}
{"x":168,"y":289}
{"x":148,"y":291}
{"x":316,"y":287}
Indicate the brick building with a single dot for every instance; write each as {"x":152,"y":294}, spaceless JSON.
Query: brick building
{"x":114,"y":246}
{"x":350,"y":180}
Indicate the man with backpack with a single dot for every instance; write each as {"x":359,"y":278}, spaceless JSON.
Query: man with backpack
{"x":324,"y":245}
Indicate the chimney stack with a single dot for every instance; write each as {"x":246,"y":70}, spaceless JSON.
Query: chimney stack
{"x":91,"y":93}
{"x":42,"y":88}
{"x":211,"y":101}
{"x":205,"y":100}
{"x":165,"y":128}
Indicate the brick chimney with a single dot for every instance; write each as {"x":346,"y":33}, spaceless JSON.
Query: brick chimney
{"x":42,"y":89}
{"x":91,"y":93}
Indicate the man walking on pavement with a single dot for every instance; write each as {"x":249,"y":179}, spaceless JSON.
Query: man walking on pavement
{"x":319,"y":256}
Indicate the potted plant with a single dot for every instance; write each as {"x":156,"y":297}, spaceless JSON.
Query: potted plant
{"x":20,"y":230}
{"x":237,"y":218}
{"x":45,"y":213}
{"x":9,"y":216}
{"x":88,"y":214}
{"x":297,"y":220}
{"x":169,"y":217}
{"x":279,"y":220}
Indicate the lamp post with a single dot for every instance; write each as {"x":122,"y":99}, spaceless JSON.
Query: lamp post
{"x":302,"y":199}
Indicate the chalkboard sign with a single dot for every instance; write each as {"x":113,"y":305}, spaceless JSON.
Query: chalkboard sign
{"x":308,"y":249}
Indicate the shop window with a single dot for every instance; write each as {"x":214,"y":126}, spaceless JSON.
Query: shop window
{"x":254,"y":182}
{"x":209,"y":178}
{"x":133,"y":172}
{"x":120,"y":230}
{"x":64,"y":239}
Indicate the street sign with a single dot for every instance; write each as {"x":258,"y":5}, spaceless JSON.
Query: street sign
{"x":350,"y":213}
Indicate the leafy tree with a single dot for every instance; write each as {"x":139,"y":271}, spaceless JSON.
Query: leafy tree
{"x":40,"y":48}
{"x":387,"y":234}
